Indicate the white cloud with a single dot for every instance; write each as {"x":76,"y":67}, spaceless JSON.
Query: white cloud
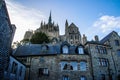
{"x":107,"y":23}
{"x":23,"y":17}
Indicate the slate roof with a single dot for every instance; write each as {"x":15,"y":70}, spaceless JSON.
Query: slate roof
{"x":36,"y":49}
{"x":107,"y":37}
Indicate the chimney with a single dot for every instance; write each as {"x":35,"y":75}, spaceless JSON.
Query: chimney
{"x":96,"y":38}
{"x":84,"y":39}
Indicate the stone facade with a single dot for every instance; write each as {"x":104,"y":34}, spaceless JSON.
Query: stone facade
{"x":72,"y":34}
{"x":53,"y":64}
{"x":6,"y":36}
{"x":28,"y":34}
{"x":16,"y":70}
{"x":102,"y":61}
{"x":63,"y":61}
{"x":113,"y":39}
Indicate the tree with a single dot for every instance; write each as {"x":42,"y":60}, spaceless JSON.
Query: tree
{"x":39,"y":38}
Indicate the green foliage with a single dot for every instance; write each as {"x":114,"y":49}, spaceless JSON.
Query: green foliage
{"x":39,"y":38}
{"x":25,"y":40}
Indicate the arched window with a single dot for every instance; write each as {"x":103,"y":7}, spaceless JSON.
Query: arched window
{"x":83,"y":66}
{"x":44,"y":47}
{"x":65,"y":49}
{"x":64,"y":65}
{"x":73,"y":65}
{"x":80,"y":50}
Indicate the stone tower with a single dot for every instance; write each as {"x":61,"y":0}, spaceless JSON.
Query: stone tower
{"x":72,"y":34}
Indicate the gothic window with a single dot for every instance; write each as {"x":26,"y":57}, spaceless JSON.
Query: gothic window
{"x":83,"y":78}
{"x":118,"y":53}
{"x":64,"y":65}
{"x":80,"y":50}
{"x":73,"y":65}
{"x":103,"y":62}
{"x":68,"y":66}
{"x":65,"y":49}
{"x":65,"y":77}
{"x":83,"y":66}
{"x":43,"y":72}
{"x":117,"y":42}
{"x":14,"y":68}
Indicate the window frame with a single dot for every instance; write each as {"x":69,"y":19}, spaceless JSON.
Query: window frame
{"x":80,"y":50}
{"x":65,"y":49}
{"x":83,"y":67}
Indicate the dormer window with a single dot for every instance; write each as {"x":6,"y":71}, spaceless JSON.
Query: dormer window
{"x":80,"y":50}
{"x":44,"y":48}
{"x":65,"y":49}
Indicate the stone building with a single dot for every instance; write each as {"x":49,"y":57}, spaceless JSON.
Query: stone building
{"x":72,"y":34}
{"x":102,"y":63}
{"x":7,"y":31}
{"x":16,"y":70}
{"x":10,"y":68}
{"x":113,"y":39}
{"x":56,"y":62}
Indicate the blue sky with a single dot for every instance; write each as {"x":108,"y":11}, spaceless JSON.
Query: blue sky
{"x":93,"y":17}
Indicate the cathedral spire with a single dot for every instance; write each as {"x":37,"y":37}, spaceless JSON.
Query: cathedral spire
{"x":50,"y":19}
{"x":66,"y":27}
{"x":66,"y":23}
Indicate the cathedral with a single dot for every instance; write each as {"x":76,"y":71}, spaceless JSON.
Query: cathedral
{"x":70,"y":57}
{"x":72,"y":34}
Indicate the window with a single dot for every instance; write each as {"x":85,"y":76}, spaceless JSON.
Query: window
{"x":43,"y":72}
{"x":14,"y":68}
{"x":63,"y":65}
{"x":83,"y":78}
{"x":65,"y":78}
{"x":80,"y":50}
{"x":73,"y":65}
{"x":83,"y":66}
{"x":118,"y":53}
{"x":65,"y":49}
{"x":117,"y":42}
{"x":101,"y":50}
{"x":20,"y":71}
{"x":103,"y":62}
{"x":44,"y":48}
{"x":68,"y":66}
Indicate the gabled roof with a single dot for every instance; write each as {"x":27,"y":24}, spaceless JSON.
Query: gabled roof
{"x":107,"y":37}
{"x":72,"y":25}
